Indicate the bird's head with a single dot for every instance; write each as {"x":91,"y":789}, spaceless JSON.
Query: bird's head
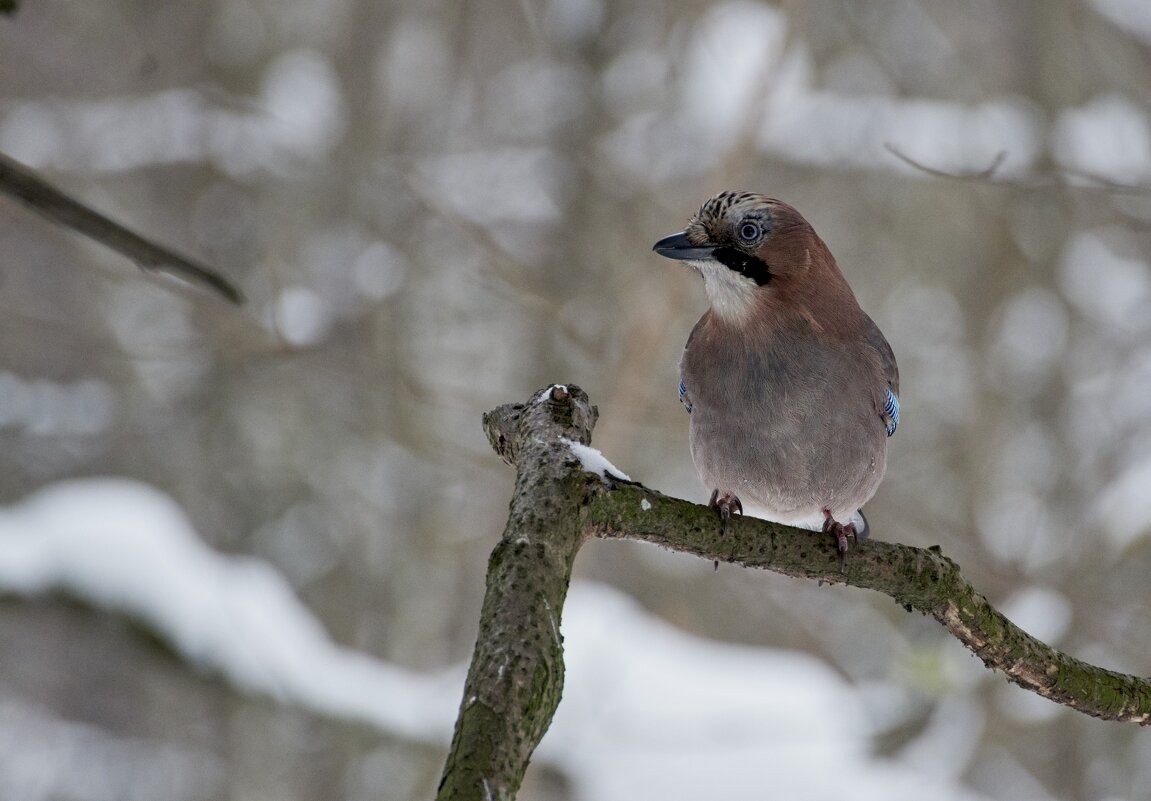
{"x":751,"y":248}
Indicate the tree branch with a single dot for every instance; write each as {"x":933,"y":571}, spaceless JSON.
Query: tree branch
{"x":919,"y":579}
{"x":48,"y":201}
{"x":988,"y":176}
{"x":563,"y":498}
{"x":515,"y":679}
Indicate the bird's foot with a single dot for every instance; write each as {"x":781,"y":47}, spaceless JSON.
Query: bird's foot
{"x":840,"y":533}
{"x":726,"y":504}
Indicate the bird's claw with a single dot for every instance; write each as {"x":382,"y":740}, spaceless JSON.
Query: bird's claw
{"x":839,"y":533}
{"x":726,"y":505}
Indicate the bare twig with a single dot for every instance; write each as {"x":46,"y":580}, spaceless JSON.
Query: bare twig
{"x":1098,"y":183}
{"x":23,"y":184}
{"x":985,"y":174}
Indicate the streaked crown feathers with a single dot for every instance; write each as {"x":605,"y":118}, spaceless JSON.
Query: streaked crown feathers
{"x":718,"y":220}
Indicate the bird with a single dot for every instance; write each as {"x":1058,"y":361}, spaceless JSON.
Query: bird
{"x":792,"y":390}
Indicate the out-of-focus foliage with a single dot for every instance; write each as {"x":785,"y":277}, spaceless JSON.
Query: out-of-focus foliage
{"x":438,"y":207}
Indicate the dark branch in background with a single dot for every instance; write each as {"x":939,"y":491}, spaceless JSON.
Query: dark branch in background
{"x":23,"y":184}
{"x":8,"y":6}
{"x":987,"y":175}
{"x":516,"y":675}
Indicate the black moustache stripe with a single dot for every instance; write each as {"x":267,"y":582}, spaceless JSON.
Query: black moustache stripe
{"x":755,"y":269}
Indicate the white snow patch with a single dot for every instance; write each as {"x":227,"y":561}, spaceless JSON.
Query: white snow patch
{"x":742,"y":58}
{"x":302,"y":316}
{"x":126,"y":547}
{"x":1108,"y":137}
{"x":301,"y":95}
{"x":650,"y":711}
{"x":734,"y":47}
{"x":300,"y":113}
{"x":1111,"y":289}
{"x":1042,"y":612}
{"x":595,"y":462}
{"x":1122,"y":509}
{"x":645,"y":504}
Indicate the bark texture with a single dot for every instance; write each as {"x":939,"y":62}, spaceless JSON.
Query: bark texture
{"x":516,"y":675}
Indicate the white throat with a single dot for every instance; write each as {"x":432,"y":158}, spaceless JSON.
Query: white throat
{"x":731,"y":295}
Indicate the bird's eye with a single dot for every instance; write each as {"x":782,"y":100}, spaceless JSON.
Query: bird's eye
{"x":749,"y":232}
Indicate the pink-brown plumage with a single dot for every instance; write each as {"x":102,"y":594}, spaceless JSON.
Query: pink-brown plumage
{"x":791,"y":386}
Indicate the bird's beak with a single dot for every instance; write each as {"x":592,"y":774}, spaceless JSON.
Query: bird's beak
{"x":678,"y":247}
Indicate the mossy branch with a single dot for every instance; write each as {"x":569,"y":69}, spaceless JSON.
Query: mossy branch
{"x":516,"y":676}
{"x":920,"y":579}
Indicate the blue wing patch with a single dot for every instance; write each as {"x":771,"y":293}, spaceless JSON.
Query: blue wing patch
{"x":683,"y":397}
{"x":890,"y":411}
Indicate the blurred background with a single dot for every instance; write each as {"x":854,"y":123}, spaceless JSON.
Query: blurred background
{"x":438,"y":207}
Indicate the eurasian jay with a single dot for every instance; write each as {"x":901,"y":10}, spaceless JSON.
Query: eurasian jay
{"x":791,"y":388}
